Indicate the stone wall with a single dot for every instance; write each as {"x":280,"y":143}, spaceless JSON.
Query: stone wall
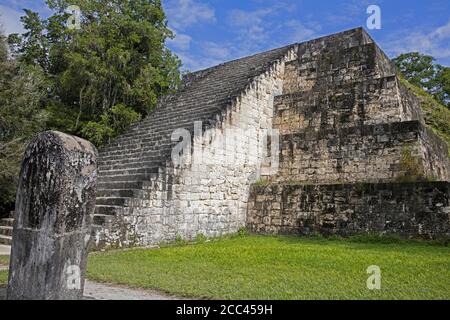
{"x":370,"y":153}
{"x":434,"y":154}
{"x":363,"y":102}
{"x":406,"y":209}
{"x":336,"y":67}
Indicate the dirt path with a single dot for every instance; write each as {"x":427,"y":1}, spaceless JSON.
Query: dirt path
{"x":99,"y":291}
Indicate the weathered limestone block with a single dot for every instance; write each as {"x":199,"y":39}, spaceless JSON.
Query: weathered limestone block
{"x":55,"y":198}
{"x":411,"y":210}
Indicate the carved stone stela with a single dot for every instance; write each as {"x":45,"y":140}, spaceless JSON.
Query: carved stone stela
{"x":52,"y":227}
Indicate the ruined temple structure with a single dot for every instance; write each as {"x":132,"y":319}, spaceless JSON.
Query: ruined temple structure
{"x":328,"y":140}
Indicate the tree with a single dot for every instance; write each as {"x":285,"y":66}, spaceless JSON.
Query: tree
{"x":443,"y":86}
{"x":422,"y":71}
{"x":32,"y":46}
{"x":117,"y":56}
{"x":93,"y":81}
{"x":22,"y":91}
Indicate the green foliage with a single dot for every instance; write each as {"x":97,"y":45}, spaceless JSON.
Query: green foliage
{"x":117,"y":57}
{"x":110,"y":125}
{"x":200,"y":238}
{"x":97,"y":132}
{"x":94,"y":81}
{"x":442,"y":91}
{"x":262,"y":182}
{"x":3,"y":48}
{"x":242,"y":232}
{"x":179,"y":241}
{"x":437,"y":116}
{"x":411,"y":166}
{"x":32,"y":47}
{"x":10,"y":158}
{"x":421,"y":71}
{"x":22,"y":91}
{"x":121,"y":117}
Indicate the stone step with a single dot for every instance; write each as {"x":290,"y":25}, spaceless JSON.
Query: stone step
{"x":119,"y":172}
{"x":6,"y":240}
{"x":119,"y":193}
{"x":128,"y":166}
{"x":7,"y":222}
{"x":120,"y":185}
{"x":127,"y":177}
{"x":126,"y":160}
{"x":137,"y":153}
{"x":112,"y":201}
{"x":108,"y":210}
{"x":367,"y":89}
{"x":100,"y":220}
{"x":151,"y":133}
{"x":6,"y":231}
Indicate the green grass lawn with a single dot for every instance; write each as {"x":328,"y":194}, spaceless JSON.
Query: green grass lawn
{"x":3,"y":278}
{"x":257,"y":267}
{"x":4,"y":260}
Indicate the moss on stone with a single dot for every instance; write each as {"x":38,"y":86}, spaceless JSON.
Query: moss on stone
{"x":437,"y":116}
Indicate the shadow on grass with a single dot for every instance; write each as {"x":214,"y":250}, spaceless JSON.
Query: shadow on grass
{"x":363,"y":242}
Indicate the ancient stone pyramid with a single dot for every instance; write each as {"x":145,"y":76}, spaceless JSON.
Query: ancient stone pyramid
{"x":354,"y":153}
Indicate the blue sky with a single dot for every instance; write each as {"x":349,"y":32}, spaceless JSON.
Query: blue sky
{"x":213,"y":31}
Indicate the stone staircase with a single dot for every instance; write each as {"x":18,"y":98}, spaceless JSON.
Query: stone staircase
{"x":6,"y":229}
{"x":127,"y":165}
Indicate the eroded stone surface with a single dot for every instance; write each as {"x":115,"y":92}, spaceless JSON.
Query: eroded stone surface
{"x":417,"y":210}
{"x":55,"y":198}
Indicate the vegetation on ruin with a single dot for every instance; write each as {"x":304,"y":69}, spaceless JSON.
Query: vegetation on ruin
{"x":258,"y":267}
{"x":411,"y":166}
{"x":423,"y":72}
{"x":437,"y":116}
{"x":430,"y":82}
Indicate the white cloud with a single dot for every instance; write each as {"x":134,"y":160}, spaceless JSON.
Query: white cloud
{"x":213,"y":49}
{"x":10,"y":20}
{"x":261,"y":29}
{"x":434,"y":43}
{"x":301,"y":32}
{"x":251,"y":25}
{"x":185,"y":13}
{"x":181,"y":41}
{"x":350,"y":11}
{"x":241,"y":18}
{"x":195,"y":63}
